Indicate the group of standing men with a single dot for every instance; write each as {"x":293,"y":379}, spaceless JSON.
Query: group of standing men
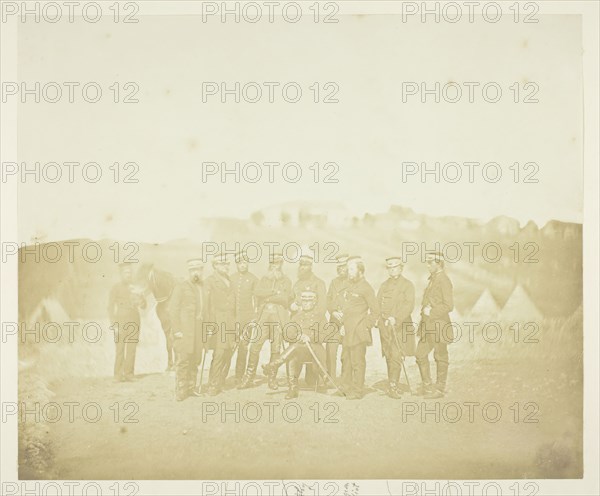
{"x":306,"y":324}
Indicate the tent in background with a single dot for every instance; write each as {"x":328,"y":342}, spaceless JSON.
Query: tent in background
{"x":520,"y":308}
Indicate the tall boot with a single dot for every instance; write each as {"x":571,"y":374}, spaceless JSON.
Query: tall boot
{"x":272,"y":382}
{"x":425,"y":388}
{"x":241,"y":361}
{"x":293,"y":388}
{"x":225,"y":368}
{"x":271,"y":368}
{"x":214,"y":376}
{"x":248,"y":378}
{"x":394,"y":391}
{"x":425,"y":371}
{"x":182,"y":389}
{"x":441,"y":376}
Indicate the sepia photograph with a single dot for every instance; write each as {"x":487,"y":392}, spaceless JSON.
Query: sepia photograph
{"x":299,"y":248}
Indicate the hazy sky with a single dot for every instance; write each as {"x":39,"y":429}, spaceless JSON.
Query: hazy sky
{"x":369,"y":133}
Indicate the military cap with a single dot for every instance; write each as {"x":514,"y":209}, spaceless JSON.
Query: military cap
{"x":434,"y":256}
{"x":341,"y":259}
{"x":392,"y":262}
{"x":355,"y":258}
{"x":306,"y":259}
{"x":276,"y":257}
{"x":241,"y":255}
{"x":220,"y":258}
{"x":195,"y":263}
{"x":308,"y":295}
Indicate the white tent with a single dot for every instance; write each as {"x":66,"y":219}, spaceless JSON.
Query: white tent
{"x":455,"y":316}
{"x":49,"y":310}
{"x":520,"y":308}
{"x":485,"y":308}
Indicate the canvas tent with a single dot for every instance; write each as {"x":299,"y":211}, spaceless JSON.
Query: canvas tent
{"x":48,"y":310}
{"x":520,"y":308}
{"x":485,"y":307}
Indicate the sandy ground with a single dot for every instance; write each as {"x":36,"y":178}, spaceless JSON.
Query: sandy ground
{"x":500,"y":419}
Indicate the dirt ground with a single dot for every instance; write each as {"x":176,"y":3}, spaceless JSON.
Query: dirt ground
{"x":500,"y":419}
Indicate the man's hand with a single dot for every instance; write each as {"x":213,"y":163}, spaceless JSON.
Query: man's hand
{"x":178,"y":335}
{"x":294,"y":307}
{"x":391,"y":321}
{"x":427,"y":310}
{"x":342,"y":331}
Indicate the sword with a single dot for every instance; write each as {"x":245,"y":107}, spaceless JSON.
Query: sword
{"x":317,"y":361}
{"x":401,"y":357}
{"x":243,"y":336}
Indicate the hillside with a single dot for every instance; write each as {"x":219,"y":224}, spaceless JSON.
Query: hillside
{"x":547,"y":262}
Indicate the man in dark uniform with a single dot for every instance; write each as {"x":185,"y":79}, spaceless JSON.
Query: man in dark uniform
{"x":163,"y":284}
{"x":396,"y":298}
{"x":124,"y":314}
{"x":359,"y":313}
{"x":435,"y":329}
{"x":244,"y":283}
{"x":305,"y":329}
{"x":273,"y":296}
{"x":308,"y":281}
{"x":335,"y":299}
{"x":221,"y":321}
{"x":187,"y":313}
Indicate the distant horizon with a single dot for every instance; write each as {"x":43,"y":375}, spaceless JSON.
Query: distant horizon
{"x":204,"y":221}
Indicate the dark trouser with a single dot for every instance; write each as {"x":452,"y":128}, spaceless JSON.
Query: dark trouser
{"x":331,"y":358}
{"x":431,"y":341}
{"x":162,"y":312}
{"x":242,"y":351}
{"x":126,"y":339}
{"x":187,"y":360}
{"x":219,"y":366}
{"x":186,"y":369}
{"x":269,"y":328}
{"x":332,"y":344}
{"x":354,"y":365}
{"x":302,"y":355}
{"x":391,"y":351}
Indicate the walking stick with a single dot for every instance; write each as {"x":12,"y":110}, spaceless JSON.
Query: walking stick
{"x":401,"y":357}
{"x":287,"y":363}
{"x":317,"y":361}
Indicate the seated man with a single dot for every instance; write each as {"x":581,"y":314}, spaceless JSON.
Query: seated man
{"x":305,"y":332}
